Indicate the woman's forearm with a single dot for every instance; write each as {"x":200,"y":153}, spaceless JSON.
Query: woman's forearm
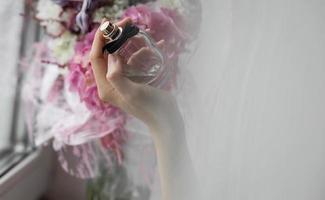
{"x":176,"y":171}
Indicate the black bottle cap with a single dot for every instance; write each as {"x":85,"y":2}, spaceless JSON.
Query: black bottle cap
{"x":129,"y":31}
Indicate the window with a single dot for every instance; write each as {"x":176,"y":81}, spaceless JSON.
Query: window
{"x":16,"y":37}
{"x":24,"y":171}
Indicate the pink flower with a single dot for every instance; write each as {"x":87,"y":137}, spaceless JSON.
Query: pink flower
{"x":162,"y":24}
{"x":113,"y":142}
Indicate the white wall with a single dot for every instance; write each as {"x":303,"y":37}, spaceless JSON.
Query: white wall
{"x":259,"y":131}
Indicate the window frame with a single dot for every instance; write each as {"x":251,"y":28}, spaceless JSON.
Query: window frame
{"x":24,"y":169}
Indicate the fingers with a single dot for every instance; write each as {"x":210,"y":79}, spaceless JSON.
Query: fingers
{"x":115,"y":76}
{"x":99,"y":64}
{"x":97,"y":46}
{"x":114,"y":67}
{"x":124,"y":22}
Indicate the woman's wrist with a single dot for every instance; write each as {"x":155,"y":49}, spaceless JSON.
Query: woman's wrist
{"x":167,"y":125}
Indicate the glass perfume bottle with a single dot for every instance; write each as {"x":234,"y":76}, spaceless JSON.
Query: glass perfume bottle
{"x":144,"y":61}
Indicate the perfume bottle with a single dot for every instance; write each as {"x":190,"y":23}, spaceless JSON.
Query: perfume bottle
{"x":144,"y":61}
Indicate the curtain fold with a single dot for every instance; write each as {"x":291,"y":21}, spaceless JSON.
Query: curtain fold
{"x":254,"y":102}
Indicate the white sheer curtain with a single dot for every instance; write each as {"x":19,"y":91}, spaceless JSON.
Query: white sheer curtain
{"x":256,"y":120}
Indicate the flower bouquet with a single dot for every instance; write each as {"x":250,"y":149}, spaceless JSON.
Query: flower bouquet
{"x":63,"y":108}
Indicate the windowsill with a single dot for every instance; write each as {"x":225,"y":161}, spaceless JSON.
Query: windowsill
{"x":9,"y":159}
{"x":28,"y":179}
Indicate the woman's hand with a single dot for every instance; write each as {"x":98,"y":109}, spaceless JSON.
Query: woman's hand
{"x":153,"y":106}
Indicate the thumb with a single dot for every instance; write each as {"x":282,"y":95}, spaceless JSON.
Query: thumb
{"x":115,"y":76}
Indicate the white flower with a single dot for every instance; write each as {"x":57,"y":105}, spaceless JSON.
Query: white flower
{"x":51,"y":15}
{"x":46,"y":9}
{"x":171,"y":3}
{"x":63,"y":47}
{"x":110,"y":12}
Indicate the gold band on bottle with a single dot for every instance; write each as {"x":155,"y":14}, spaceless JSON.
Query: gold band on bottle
{"x":110,"y":31}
